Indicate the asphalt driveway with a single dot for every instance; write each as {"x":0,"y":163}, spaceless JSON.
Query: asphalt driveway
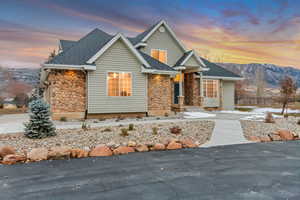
{"x":249,"y":171}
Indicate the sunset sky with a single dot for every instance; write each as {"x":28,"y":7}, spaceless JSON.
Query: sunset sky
{"x":239,"y":31}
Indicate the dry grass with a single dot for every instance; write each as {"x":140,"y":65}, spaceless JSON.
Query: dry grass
{"x":12,"y":111}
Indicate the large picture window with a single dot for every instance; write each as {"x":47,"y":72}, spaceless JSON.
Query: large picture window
{"x":160,"y":55}
{"x":119,"y":83}
{"x":210,"y":88}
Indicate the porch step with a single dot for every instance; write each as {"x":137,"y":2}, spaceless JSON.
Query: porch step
{"x":193,"y":109}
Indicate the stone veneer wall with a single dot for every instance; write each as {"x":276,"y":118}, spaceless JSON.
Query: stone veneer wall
{"x":191,"y":89}
{"x":67,"y":95}
{"x":159,"y":94}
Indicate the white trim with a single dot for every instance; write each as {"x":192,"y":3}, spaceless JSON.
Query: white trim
{"x":111,"y":42}
{"x":180,"y":68}
{"x":153,"y":71}
{"x":224,"y":78}
{"x":106,"y":86}
{"x":162,"y":22}
{"x":65,"y":66}
{"x":166,"y":51}
{"x":196,"y":56}
{"x":140,"y":44}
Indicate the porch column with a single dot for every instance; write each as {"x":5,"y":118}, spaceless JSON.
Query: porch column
{"x":201,"y":90}
{"x":181,"y":96}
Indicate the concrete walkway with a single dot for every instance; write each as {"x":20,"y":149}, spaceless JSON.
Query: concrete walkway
{"x":226,"y":132}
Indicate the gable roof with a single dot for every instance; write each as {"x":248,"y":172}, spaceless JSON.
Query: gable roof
{"x":218,"y":71}
{"x":66,"y":44}
{"x":156,"y":64}
{"x":82,"y":50}
{"x":108,"y":44}
{"x":143,"y":37}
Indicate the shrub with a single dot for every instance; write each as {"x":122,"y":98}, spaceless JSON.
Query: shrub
{"x":40,"y":124}
{"x":131,"y":127}
{"x":107,"y":130}
{"x":154,"y":130}
{"x":286,"y":116}
{"x":269,"y":118}
{"x":63,"y":119}
{"x":175,"y":130}
{"x":124,"y":132}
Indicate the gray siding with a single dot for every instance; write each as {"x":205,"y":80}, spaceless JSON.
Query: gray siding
{"x":228,"y":95}
{"x":192,"y":62}
{"x":164,"y":41}
{"x":117,"y":58}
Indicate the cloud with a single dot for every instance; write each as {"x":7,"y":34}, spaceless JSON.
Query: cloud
{"x":230,"y":13}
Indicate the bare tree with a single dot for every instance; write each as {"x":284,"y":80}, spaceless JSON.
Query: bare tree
{"x":52,"y":55}
{"x":288,"y":88}
{"x":239,"y":90}
{"x":260,"y":82}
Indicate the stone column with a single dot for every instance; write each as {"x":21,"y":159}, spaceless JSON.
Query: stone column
{"x":181,"y":96}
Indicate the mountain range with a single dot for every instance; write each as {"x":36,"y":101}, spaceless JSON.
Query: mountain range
{"x":272,"y":74}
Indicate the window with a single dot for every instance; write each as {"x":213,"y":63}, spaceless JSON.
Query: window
{"x":210,"y":88}
{"x":160,"y":55}
{"x":119,"y":83}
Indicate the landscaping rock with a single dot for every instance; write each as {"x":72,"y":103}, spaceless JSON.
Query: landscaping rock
{"x":101,"y":150}
{"x":265,"y":139}
{"x":188,"y":143}
{"x":6,"y":150}
{"x":275,"y":137}
{"x":58,"y":153}
{"x":38,"y":154}
{"x":123,"y":150}
{"x":285,"y":134}
{"x":158,"y":147}
{"x":254,"y":138}
{"x":79,"y":153}
{"x":174,"y":145}
{"x":13,"y":159}
{"x":141,"y":148}
{"x":131,"y":144}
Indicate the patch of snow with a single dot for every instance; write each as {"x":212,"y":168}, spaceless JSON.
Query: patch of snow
{"x":196,"y":115}
{"x":237,"y":112}
{"x":275,"y":110}
{"x":259,"y":117}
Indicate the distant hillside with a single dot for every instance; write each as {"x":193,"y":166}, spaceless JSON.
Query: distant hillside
{"x":273,"y":73}
{"x":14,"y":80}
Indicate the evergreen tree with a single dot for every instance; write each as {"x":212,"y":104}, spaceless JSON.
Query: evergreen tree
{"x":40,"y":124}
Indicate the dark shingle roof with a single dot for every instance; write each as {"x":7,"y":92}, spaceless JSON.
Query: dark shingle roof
{"x":140,"y":36}
{"x":66,"y":44}
{"x":216,"y":70}
{"x":155,"y":64}
{"x":178,"y":63}
{"x":83,"y":50}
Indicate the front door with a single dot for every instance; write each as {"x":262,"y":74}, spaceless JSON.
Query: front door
{"x":176,"y":92}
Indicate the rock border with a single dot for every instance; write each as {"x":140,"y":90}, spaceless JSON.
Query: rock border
{"x":279,"y":135}
{"x":10,"y":157}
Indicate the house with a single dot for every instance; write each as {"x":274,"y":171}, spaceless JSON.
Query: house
{"x":103,"y":75}
{"x":9,"y":103}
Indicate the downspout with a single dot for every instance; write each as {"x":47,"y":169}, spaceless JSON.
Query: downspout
{"x":86,"y":93}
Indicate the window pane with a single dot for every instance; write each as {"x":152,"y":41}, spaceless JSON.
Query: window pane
{"x":163,"y":56}
{"x":210,"y":88}
{"x":125,"y":84}
{"x":113,"y":84}
{"x":155,"y":54}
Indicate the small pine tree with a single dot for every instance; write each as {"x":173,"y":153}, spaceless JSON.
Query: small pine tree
{"x":40,"y":124}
